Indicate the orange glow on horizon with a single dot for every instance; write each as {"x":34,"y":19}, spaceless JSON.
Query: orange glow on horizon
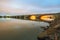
{"x":33,"y":17}
{"x":47,"y":17}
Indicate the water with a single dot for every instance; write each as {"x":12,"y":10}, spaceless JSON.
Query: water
{"x":14,"y":29}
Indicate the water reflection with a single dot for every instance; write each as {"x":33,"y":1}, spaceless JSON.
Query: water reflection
{"x":14,"y":29}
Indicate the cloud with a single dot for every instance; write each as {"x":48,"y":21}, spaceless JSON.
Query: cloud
{"x":21,"y":8}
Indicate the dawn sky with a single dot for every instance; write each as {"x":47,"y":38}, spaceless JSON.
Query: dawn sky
{"x":29,"y":6}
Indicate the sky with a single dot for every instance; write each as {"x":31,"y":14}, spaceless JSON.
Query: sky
{"x":28,"y":6}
